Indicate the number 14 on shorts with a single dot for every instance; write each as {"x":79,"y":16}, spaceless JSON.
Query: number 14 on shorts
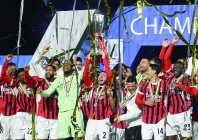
{"x":160,"y":131}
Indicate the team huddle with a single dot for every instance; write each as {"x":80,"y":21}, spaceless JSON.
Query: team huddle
{"x":72,"y":101}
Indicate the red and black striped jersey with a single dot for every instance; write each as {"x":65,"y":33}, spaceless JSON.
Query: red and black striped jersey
{"x":48,"y":107}
{"x":9,"y":94}
{"x":26,"y":99}
{"x":178,"y":98}
{"x":99,"y":104}
{"x":85,"y":100}
{"x":152,"y":115}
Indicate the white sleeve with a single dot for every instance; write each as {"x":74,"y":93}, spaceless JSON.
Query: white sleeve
{"x":37,"y":68}
{"x":133,"y":113}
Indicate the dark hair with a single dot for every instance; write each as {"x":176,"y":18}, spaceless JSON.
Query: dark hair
{"x":127,"y":67}
{"x":11,"y":64}
{"x":52,"y":60}
{"x":117,"y":67}
{"x":19,"y":70}
{"x":79,"y":59}
{"x":131,"y":79}
{"x":51,"y":66}
{"x":157,"y":61}
{"x":155,"y":67}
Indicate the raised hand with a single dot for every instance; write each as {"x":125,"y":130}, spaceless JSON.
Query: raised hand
{"x":9,"y":57}
{"x":89,"y":56}
{"x":27,"y":68}
{"x":165,"y":42}
{"x":46,"y":49}
{"x":74,"y":58}
{"x":175,"y":39}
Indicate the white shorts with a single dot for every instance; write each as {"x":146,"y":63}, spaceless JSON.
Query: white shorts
{"x":158,"y":130}
{"x":179,"y":124}
{"x":7,"y":124}
{"x":19,"y":125}
{"x":46,"y":128}
{"x":120,"y":134}
{"x":97,"y":129}
{"x":195,"y":130}
{"x":28,"y":126}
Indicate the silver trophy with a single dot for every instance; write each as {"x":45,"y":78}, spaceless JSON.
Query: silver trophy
{"x":98,"y":23}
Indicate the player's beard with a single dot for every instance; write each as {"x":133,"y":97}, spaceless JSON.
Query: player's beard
{"x":49,"y":76}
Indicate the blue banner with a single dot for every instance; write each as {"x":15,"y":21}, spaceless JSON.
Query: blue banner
{"x":151,"y":29}
{"x":23,"y":60}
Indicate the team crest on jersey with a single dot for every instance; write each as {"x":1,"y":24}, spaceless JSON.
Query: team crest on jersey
{"x":158,"y":98}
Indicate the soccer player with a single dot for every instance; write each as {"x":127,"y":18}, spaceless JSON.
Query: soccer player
{"x":152,"y":95}
{"x":101,"y":104}
{"x":133,"y":116}
{"x":47,"y":107}
{"x":9,"y":92}
{"x":143,"y":66}
{"x":69,"y":107}
{"x":178,"y":118}
{"x":26,"y":104}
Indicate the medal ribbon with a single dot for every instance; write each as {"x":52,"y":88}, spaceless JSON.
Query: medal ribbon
{"x":12,"y":91}
{"x":157,"y":91}
{"x":124,"y":102}
{"x":68,"y":88}
{"x":99,"y":93}
{"x":160,"y":74}
{"x":24,"y":89}
{"x":140,"y":78}
{"x":88,"y":96}
{"x":178,"y":79}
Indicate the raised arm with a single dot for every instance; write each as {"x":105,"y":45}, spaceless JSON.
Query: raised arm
{"x":30,"y":81}
{"x":35,"y":60}
{"x":8,"y":80}
{"x":107,"y":68}
{"x":167,"y":61}
{"x":163,"y":50}
{"x":4,"y":69}
{"x":86,"y":77}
